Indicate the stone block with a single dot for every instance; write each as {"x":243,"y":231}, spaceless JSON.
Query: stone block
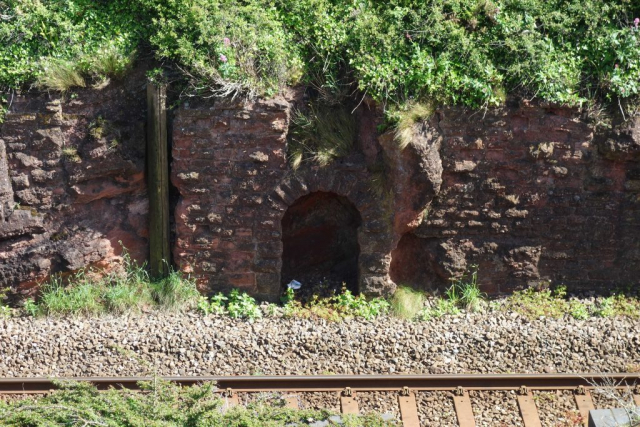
{"x":613,"y":417}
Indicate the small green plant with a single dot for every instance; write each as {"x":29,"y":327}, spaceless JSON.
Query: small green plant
{"x":241,"y":305}
{"x":578,"y":310}
{"x":605,"y":307}
{"x":465,"y":292}
{"x":438,"y":308}
{"x":407,"y":303}
{"x":71,"y":153}
{"x":358,"y":305}
{"x":5,"y":310}
{"x":534,"y":303}
{"x":336,"y":307}
{"x":237,"y":305}
{"x":31,"y":308}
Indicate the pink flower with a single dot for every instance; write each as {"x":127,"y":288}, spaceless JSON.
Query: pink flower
{"x":616,"y":65}
{"x":226,"y":41}
{"x":636,"y":22}
{"x":223,"y":58}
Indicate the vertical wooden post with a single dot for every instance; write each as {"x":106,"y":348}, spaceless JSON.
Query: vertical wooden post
{"x":158,"y":180}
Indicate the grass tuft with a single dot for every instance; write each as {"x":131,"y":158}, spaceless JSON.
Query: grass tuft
{"x":60,"y":75}
{"x":89,"y":292}
{"x":175,"y":292}
{"x":407,"y":303}
{"x":321,"y":135}
{"x":407,"y":119}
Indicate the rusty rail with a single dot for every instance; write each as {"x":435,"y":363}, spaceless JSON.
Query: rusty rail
{"x":405,"y":386}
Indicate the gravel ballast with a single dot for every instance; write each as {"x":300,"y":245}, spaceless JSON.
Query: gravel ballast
{"x":192,"y":344}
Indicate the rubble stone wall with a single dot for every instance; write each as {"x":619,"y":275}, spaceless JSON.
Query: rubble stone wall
{"x":530,"y":194}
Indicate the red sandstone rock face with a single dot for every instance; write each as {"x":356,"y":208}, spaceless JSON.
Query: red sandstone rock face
{"x":530,"y":195}
{"x":71,"y":183}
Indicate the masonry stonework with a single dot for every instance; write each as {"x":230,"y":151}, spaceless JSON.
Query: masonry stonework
{"x":530,"y":194}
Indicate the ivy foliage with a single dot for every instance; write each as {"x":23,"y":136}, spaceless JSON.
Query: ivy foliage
{"x":468,"y":52}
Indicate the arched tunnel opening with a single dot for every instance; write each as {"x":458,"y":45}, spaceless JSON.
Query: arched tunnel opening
{"x":320,"y":244}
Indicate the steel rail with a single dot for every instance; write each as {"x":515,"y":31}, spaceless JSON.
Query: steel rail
{"x":323,"y":383}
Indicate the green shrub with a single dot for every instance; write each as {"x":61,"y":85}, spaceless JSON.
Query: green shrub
{"x":241,"y":305}
{"x":468,"y":52}
{"x":236,"y":305}
{"x":162,"y":404}
{"x":438,"y":308}
{"x":578,"y":310}
{"x":226,"y":47}
{"x":534,"y":303}
{"x":55,"y":42}
{"x":407,"y":303}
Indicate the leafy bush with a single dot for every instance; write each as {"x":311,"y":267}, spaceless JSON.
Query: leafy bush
{"x":226,"y":47}
{"x":469,"y":52}
{"x":55,"y":42}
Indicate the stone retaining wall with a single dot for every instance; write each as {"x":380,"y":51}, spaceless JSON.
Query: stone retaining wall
{"x":530,"y":194}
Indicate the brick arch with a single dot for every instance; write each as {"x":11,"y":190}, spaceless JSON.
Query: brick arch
{"x":375,"y":235}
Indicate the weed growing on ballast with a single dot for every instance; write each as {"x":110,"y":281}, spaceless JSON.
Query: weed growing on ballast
{"x":335,"y":308}
{"x":238,"y":305}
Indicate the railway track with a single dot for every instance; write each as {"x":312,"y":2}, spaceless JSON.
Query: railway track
{"x":404,"y":387}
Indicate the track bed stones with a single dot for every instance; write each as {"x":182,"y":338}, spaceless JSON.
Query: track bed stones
{"x":382,"y":403}
{"x":324,"y":400}
{"x":606,"y":398}
{"x":495,"y":409}
{"x":171,"y":344}
{"x":435,"y":408}
{"x":557,"y":408}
